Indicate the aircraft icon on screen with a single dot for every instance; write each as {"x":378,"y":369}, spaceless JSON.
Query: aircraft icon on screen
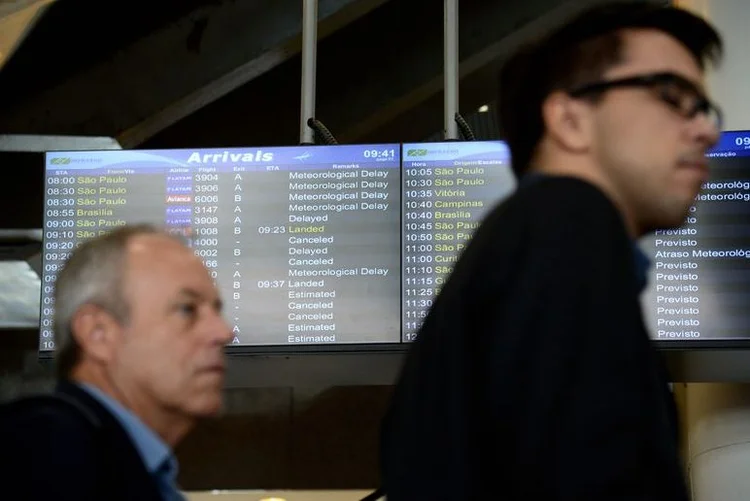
{"x":303,"y":156}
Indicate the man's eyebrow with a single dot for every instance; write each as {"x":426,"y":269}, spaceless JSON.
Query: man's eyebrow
{"x":193,"y":294}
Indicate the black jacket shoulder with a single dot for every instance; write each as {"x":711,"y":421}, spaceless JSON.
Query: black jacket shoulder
{"x":67,"y":446}
{"x":558,"y":207}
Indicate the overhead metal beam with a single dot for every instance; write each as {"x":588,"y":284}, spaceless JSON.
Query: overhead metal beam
{"x":17,"y":18}
{"x":40,"y":144}
{"x":177,"y":70}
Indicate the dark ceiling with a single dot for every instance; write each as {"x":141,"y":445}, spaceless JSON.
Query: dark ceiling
{"x":182,"y":73}
{"x":74,"y":35}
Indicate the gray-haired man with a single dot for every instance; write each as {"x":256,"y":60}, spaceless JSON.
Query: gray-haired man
{"x":140,"y":358}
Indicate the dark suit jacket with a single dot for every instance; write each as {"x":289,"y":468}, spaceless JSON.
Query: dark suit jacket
{"x":533,"y":376}
{"x":53,"y":450}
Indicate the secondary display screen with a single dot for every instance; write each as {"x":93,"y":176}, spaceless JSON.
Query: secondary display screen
{"x":448,"y":189}
{"x":699,"y":286}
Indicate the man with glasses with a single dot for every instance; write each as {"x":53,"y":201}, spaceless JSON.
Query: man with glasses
{"x":533,"y":376}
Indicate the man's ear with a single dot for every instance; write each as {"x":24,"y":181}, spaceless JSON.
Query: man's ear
{"x":568,"y":122}
{"x":95,"y":331}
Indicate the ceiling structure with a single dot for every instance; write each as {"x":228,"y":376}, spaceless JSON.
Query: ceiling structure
{"x":222,"y":73}
{"x":227,"y":72}
{"x":17,"y":19}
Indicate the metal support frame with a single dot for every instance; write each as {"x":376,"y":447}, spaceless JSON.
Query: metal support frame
{"x":309,"y":55}
{"x":450,"y":69}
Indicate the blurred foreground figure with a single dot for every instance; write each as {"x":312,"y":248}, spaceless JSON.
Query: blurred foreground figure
{"x":140,"y":358}
{"x":533,"y":376}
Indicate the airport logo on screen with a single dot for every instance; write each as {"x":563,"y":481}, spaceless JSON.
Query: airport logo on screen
{"x":62,"y":161}
{"x":423,"y":152}
{"x":476,"y":152}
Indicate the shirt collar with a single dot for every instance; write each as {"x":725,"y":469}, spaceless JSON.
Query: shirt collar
{"x":155,"y":453}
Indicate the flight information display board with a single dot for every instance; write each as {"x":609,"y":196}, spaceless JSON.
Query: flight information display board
{"x":350,"y":244}
{"x":448,"y":189}
{"x":302,"y":241}
{"x":699,"y":285}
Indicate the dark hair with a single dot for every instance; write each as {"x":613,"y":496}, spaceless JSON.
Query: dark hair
{"x":580,"y":52}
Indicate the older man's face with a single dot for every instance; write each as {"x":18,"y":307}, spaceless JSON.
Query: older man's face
{"x":171,"y":351}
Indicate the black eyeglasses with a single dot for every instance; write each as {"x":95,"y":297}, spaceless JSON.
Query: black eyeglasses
{"x":677,"y":92}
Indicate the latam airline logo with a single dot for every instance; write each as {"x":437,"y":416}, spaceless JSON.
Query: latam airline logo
{"x":198,"y":157}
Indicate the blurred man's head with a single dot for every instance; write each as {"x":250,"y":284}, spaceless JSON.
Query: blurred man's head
{"x":138,"y":315}
{"x":617,"y":96}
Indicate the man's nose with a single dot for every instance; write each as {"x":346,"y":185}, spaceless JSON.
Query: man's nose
{"x":222,"y":330}
{"x":707,"y":129}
